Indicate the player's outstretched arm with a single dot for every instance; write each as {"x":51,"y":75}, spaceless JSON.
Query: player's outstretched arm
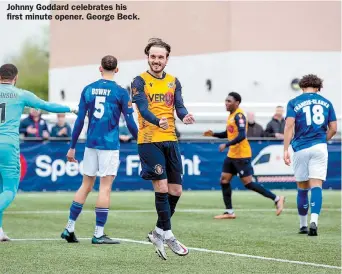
{"x":33,"y":101}
{"x":288,"y":131}
{"x":182,"y":112}
{"x":140,"y":99}
{"x":210,"y":133}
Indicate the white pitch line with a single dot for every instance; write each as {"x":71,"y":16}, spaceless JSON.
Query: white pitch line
{"x":153,"y":211}
{"x":207,"y":251}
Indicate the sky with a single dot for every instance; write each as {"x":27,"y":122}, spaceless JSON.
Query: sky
{"x":16,"y":32}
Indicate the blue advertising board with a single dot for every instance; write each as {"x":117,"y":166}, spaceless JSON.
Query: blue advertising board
{"x":44,"y":167}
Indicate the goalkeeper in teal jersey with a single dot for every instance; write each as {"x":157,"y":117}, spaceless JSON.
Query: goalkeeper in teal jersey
{"x":12,"y":103}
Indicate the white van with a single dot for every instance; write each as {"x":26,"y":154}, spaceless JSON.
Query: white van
{"x":269,"y":165}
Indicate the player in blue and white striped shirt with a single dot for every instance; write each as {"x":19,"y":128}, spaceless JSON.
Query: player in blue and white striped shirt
{"x":312,"y":120}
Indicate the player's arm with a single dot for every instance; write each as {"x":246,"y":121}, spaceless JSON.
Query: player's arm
{"x":140,"y":99}
{"x":221,"y":135}
{"x":127,"y":110}
{"x":33,"y":101}
{"x":240,"y":121}
{"x":332,"y":123}
{"x":182,"y":112}
{"x":288,"y":131}
{"x":82,"y":111}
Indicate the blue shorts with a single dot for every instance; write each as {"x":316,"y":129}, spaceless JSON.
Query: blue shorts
{"x":238,"y":166}
{"x":161,"y":160}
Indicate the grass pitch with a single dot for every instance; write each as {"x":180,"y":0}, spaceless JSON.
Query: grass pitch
{"x":36,"y":221}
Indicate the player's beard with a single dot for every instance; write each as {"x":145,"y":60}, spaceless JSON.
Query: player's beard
{"x":156,"y":70}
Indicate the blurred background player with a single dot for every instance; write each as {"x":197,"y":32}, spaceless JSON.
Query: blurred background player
{"x":238,"y":160}
{"x":157,"y":94}
{"x":312,"y":120}
{"x":12,"y":103}
{"x":103,"y":100}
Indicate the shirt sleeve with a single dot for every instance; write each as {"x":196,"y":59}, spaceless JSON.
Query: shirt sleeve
{"x":79,"y":123}
{"x":332,"y":114}
{"x":31,"y":100}
{"x":179,"y":104}
{"x":140,"y":99}
{"x":290,"y":110}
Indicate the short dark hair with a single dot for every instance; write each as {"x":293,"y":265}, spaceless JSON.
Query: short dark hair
{"x":8,"y":72}
{"x":279,"y":107}
{"x":157,"y":42}
{"x":236,"y":96}
{"x":311,"y":81}
{"x":109,"y":62}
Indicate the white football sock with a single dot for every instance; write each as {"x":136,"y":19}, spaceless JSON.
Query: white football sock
{"x":159,"y":231}
{"x":229,"y":211}
{"x":303,"y":220}
{"x":277,"y":198}
{"x":98,"y":231}
{"x":314,"y":218}
{"x":70,"y":226}
{"x":1,"y":231}
{"x":168,"y":234}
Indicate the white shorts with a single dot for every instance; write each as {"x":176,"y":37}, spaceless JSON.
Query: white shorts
{"x":100,"y":162}
{"x":311,"y":163}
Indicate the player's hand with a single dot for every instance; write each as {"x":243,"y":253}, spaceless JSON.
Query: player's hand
{"x":163,"y":123}
{"x":31,"y":130}
{"x":208,"y":133}
{"x":222,"y":147}
{"x":287,"y":158}
{"x":188,"y":119}
{"x":46,"y":134}
{"x":74,"y":110}
{"x":71,"y":155}
{"x":63,"y":131}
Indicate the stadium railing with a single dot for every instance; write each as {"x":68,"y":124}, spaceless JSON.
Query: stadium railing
{"x":208,"y":115}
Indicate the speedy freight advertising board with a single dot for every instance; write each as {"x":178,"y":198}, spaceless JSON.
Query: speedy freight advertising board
{"x":44,"y":167}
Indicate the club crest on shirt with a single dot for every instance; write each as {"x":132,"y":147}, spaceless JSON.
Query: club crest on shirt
{"x":170,"y":85}
{"x":230,"y":129}
{"x":241,"y":122}
{"x":169,"y":99}
{"x":158,"y":169}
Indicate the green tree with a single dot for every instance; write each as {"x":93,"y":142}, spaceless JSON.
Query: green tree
{"x":32,"y":62}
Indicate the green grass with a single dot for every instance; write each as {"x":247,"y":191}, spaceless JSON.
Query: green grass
{"x":257,"y":232}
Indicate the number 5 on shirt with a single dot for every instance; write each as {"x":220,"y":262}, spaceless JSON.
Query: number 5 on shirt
{"x":99,"y":105}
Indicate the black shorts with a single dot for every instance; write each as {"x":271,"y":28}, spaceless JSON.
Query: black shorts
{"x":161,"y":160}
{"x":238,"y":166}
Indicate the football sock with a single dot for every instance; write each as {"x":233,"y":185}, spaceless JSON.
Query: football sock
{"x":261,"y":190}
{"x":227,"y":196}
{"x":168,"y":234}
{"x":173,"y":200}
{"x":163,"y":210}
{"x":101,"y":219}
{"x":75,"y":210}
{"x":1,"y":231}
{"x":316,"y":204}
{"x":303,"y":206}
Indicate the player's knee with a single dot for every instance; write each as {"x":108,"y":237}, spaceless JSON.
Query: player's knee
{"x":224,"y":181}
{"x":175,"y":191}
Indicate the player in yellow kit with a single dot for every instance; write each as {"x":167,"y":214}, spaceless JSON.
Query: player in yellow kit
{"x":157,"y":95}
{"x":238,"y":160}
